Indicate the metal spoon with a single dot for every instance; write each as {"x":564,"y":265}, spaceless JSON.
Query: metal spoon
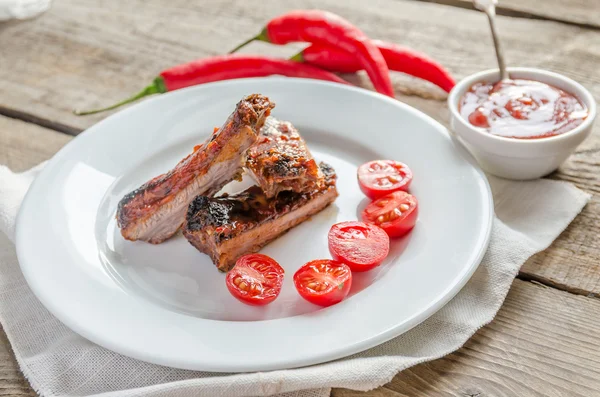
{"x":489,"y":8}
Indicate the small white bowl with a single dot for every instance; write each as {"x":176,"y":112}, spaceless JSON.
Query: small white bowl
{"x":514,"y":158}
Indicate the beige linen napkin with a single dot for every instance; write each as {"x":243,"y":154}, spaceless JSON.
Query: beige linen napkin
{"x":58,"y":362}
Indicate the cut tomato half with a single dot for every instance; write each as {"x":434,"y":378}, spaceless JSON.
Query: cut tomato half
{"x":381,"y":177}
{"x":359,"y":245}
{"x":395,"y":213}
{"x":255,"y":280}
{"x":323,"y":282}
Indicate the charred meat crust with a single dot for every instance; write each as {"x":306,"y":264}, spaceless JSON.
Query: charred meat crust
{"x":248,"y":112}
{"x":249,"y":206}
{"x":211,"y":222}
{"x":138,"y":206}
{"x":280,"y":160}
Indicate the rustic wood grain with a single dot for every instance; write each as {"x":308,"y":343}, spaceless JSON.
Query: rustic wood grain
{"x":573,"y":261}
{"x":543,"y":342}
{"x":12,"y":382}
{"x":578,"y":12}
{"x":25,"y":145}
{"x":88,"y":55}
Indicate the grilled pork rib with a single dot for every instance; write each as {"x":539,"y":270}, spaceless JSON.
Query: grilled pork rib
{"x":280,"y":160}
{"x":156,"y":210}
{"x":226,"y":228}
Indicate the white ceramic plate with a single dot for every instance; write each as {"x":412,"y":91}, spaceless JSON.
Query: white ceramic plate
{"x":167,"y":304}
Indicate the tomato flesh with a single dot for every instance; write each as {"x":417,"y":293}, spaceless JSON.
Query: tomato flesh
{"x":323,"y":282}
{"x":255,"y":280}
{"x":381,"y":177}
{"x":359,"y":245}
{"x":395,"y":213}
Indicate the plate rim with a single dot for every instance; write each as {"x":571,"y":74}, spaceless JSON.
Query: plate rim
{"x":367,"y":343}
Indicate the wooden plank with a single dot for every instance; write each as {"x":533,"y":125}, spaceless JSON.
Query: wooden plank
{"x":544,"y":342}
{"x":82,"y":55}
{"x":25,"y":145}
{"x":573,"y":261}
{"x":12,"y":382}
{"x":578,"y":12}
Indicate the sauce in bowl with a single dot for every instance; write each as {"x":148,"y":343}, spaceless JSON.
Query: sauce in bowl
{"x":522,"y":109}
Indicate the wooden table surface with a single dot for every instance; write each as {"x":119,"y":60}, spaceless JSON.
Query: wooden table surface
{"x":545,"y":339}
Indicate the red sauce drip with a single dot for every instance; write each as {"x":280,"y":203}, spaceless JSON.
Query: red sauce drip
{"x":522,"y":109}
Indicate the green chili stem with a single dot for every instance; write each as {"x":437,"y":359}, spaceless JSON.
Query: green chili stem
{"x":299,"y":57}
{"x":157,"y":87}
{"x":262,"y":36}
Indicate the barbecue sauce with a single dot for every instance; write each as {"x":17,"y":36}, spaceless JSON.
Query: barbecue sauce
{"x":522,"y":109}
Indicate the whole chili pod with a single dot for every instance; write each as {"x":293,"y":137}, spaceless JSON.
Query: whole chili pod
{"x":326,"y":28}
{"x":398,"y":58}
{"x":223,"y":67}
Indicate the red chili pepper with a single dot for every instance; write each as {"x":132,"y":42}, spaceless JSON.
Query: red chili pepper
{"x":398,"y":58}
{"x":224,"y":67}
{"x":325,"y":28}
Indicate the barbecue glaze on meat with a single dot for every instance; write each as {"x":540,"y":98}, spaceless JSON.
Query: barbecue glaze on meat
{"x":280,"y":160}
{"x":226,"y":228}
{"x":156,"y":210}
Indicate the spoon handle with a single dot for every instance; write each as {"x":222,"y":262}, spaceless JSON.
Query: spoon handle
{"x":489,"y":11}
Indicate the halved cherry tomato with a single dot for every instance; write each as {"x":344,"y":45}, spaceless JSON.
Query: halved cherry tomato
{"x":359,"y":245}
{"x":395,"y":213}
{"x":323,"y":282}
{"x":255,"y":280}
{"x":380,"y":177}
